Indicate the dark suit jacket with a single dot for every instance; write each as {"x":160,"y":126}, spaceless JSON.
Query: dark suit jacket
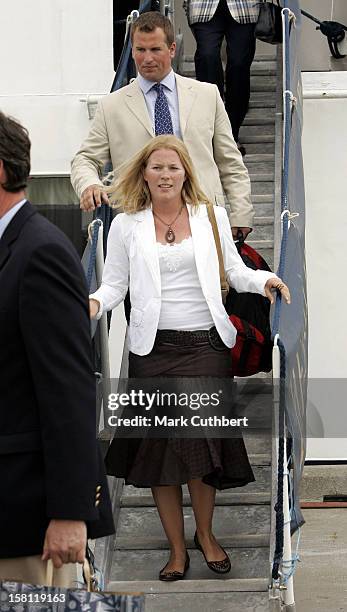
{"x":50,"y":463}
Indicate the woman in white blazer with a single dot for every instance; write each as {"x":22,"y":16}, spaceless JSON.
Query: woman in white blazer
{"x":162,"y":249}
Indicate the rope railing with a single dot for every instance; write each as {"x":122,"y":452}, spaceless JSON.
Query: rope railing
{"x":283,"y":563}
{"x":279,"y":505}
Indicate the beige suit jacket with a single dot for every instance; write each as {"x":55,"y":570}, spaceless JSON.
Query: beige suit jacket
{"x":122,"y":126}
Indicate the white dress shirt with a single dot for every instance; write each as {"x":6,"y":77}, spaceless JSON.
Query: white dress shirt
{"x":170,"y":90}
{"x":7,"y":217}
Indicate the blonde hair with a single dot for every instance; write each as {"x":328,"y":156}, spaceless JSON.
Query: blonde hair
{"x":130,"y":190}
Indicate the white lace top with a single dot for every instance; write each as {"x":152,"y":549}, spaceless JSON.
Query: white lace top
{"x":183,"y":305}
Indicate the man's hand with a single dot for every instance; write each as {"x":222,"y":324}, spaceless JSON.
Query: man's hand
{"x":276,"y":283}
{"x":94,"y":306}
{"x":93,"y":196}
{"x":245,"y":231}
{"x":65,"y":542}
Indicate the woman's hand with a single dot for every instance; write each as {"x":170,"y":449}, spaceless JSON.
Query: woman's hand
{"x":94,"y":306}
{"x":276,"y":283}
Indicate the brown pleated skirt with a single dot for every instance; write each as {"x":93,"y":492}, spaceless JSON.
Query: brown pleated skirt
{"x":220,"y":462}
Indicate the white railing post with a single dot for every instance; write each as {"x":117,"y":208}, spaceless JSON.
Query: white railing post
{"x":287,"y":590}
{"x":288,"y":593}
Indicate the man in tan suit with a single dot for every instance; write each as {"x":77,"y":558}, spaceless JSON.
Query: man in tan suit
{"x":126,"y":119}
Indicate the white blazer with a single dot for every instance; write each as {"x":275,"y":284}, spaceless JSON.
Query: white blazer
{"x":132,"y":261}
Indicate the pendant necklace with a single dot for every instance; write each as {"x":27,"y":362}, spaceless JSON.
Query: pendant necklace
{"x":170,"y":234}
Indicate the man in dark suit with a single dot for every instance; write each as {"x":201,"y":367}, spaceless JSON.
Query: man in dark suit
{"x":211,"y":21}
{"x":53,"y":491}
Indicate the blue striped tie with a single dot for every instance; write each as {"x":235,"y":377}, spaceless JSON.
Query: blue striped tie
{"x":162,"y":117}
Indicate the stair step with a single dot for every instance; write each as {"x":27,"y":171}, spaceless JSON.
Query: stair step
{"x":266,"y":67}
{"x":258,"y":69}
{"x":267,"y":177}
{"x":208,"y":602}
{"x":259,"y":66}
{"x":259,"y":57}
{"x":266,"y":102}
{"x":260,"y":116}
{"x":263,"y":209}
{"x":265,"y":57}
{"x":260,"y":244}
{"x":140,"y":526}
{"x":259,"y":458}
{"x":144,"y":565}
{"x":265,"y":220}
{"x":243,"y":540}
{"x":224,"y":499}
{"x":262,"y":158}
{"x":257,"y":492}
{"x":251,"y":133}
{"x":187,"y":69}
{"x":257,"y":139}
{"x":262,"y":233}
{"x":226,"y":585}
{"x":263,"y":83}
{"x":262,"y":187}
{"x":258,"y":446}
{"x":261,"y":167}
{"x":259,"y":147}
{"x":260,"y":198}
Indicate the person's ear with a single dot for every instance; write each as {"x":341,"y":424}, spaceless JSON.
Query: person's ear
{"x":3,"y":177}
{"x":173,"y":50}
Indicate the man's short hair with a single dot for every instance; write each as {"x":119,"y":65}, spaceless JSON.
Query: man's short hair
{"x":15,"y":153}
{"x":148,"y":22}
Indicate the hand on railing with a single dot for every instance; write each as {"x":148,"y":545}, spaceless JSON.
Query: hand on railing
{"x":94,"y":306}
{"x":276,"y":283}
{"x":92,"y":197}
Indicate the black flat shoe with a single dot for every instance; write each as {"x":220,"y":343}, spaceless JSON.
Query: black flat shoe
{"x":172,"y":576}
{"x":220,"y":567}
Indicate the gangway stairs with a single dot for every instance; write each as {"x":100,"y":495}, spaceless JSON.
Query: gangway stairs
{"x":242,"y":516}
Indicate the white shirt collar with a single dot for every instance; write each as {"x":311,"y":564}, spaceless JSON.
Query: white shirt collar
{"x":169,"y":81}
{"x":7,"y":217}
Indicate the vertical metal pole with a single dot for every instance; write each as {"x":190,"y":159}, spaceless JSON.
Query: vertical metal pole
{"x":105,"y":361}
{"x":288,"y":594}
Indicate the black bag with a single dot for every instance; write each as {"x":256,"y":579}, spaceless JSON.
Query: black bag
{"x":269,"y":25}
{"x":248,"y":312}
{"x":250,"y":315}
